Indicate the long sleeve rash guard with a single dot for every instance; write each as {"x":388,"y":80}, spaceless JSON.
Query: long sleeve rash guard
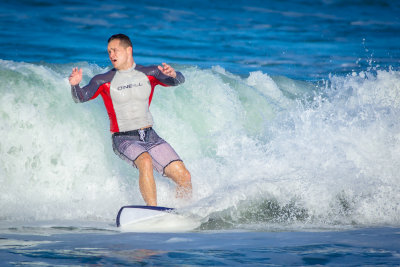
{"x":127,"y":94}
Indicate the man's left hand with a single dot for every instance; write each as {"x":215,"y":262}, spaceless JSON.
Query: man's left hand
{"x":167,"y":70}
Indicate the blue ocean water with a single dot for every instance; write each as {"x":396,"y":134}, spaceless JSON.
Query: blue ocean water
{"x":369,"y":247}
{"x":300,"y":39}
{"x":288,"y":121}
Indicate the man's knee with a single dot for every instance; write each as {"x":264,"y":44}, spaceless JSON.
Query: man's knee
{"x":144,"y":161}
{"x":178,"y":172}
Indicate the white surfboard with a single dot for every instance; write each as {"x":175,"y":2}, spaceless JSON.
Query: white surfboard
{"x":151,"y":218}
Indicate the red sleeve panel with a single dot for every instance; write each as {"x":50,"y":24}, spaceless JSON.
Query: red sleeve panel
{"x":98,"y":85}
{"x":156,"y":77}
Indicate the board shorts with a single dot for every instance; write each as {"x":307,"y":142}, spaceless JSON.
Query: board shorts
{"x":131,"y":144}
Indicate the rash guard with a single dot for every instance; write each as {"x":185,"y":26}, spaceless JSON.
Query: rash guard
{"x":127,"y":94}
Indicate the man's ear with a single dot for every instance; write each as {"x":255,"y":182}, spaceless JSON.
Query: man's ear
{"x":130,"y":50}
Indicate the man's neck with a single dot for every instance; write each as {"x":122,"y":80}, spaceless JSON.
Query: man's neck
{"x":128,"y":66}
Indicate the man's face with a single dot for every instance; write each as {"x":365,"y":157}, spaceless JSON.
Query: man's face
{"x":119,"y":55}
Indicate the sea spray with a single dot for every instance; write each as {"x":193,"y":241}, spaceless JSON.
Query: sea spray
{"x":329,"y":161}
{"x":261,"y":149}
{"x":54,"y":154}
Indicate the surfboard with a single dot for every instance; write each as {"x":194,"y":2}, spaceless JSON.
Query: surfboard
{"x":128,"y":215}
{"x":155,"y":219}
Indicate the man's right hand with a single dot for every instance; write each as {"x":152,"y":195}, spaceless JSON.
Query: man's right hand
{"x":75,"y":77}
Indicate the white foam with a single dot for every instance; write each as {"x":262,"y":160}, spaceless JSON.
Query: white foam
{"x":55,"y":161}
{"x":333,"y":150}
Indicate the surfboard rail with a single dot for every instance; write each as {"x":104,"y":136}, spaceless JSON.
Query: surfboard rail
{"x":155,"y":208}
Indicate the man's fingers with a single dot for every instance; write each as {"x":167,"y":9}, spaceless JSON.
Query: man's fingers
{"x":167,"y":70}
{"x":76,"y":71}
{"x":76,"y":76}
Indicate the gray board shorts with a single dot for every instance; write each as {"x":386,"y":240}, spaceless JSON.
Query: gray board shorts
{"x":131,"y":144}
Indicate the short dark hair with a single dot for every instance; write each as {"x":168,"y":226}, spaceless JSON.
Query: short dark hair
{"x":124,"y":40}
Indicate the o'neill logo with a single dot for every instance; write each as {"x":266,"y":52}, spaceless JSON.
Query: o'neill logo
{"x":123,"y":87}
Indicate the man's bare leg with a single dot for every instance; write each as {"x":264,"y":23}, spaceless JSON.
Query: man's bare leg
{"x":181,"y":176}
{"x":147,"y":184}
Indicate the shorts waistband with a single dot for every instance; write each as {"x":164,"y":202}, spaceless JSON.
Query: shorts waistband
{"x":133,"y":132}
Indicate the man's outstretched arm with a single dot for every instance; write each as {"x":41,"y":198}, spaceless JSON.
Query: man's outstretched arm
{"x":90,"y":91}
{"x":74,"y":79}
{"x":169,"y":76}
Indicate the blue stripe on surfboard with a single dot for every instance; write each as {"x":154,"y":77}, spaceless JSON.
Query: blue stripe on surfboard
{"x":140,"y":207}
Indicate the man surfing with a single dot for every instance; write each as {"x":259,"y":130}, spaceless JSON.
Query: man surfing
{"x":127,"y":91}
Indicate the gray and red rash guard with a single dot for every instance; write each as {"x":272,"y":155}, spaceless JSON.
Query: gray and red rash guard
{"x":127,"y":94}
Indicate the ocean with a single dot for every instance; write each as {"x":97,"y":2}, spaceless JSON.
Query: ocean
{"x":288,"y":122}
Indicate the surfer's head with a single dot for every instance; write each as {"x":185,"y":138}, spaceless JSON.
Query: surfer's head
{"x":120,"y":51}
{"x":124,"y":40}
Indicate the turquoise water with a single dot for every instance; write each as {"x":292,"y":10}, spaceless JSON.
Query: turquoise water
{"x":288,"y":122}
